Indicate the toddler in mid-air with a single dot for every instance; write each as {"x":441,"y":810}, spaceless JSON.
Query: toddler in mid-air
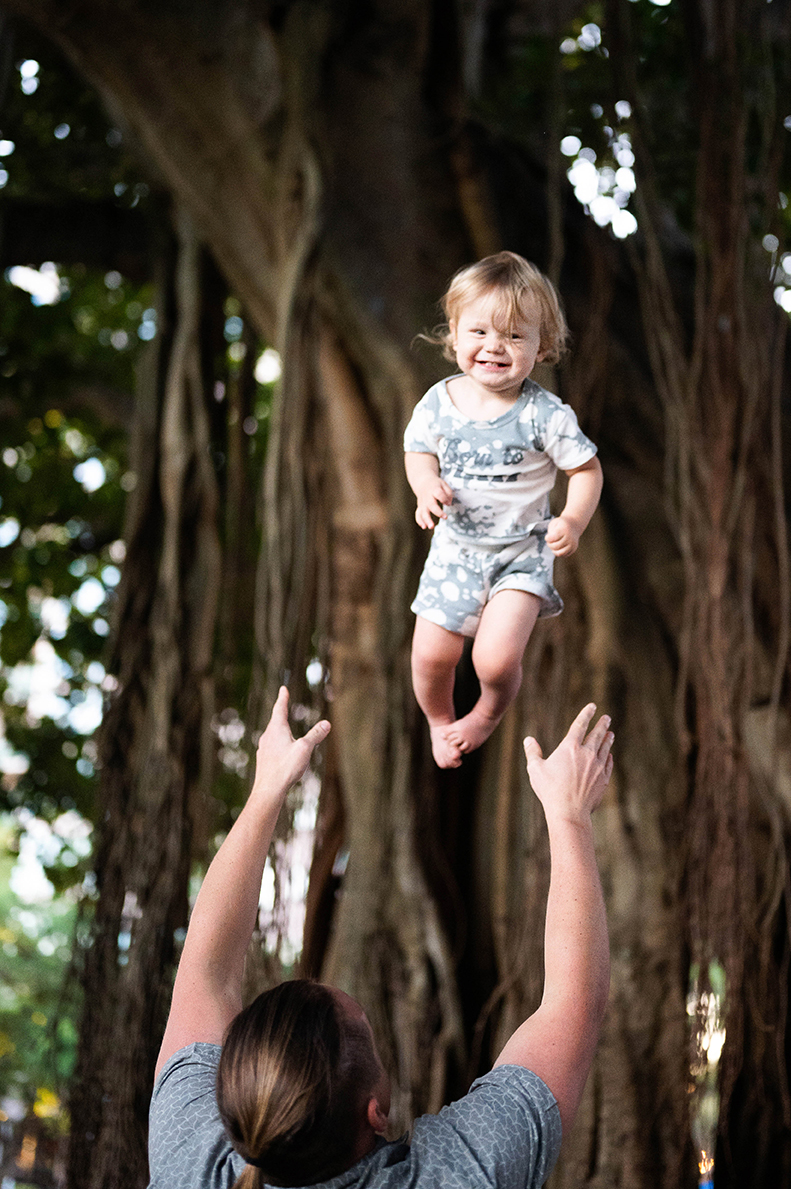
{"x":482,"y":451}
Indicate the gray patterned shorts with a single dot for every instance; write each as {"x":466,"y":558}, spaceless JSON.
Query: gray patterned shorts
{"x":458,"y":580}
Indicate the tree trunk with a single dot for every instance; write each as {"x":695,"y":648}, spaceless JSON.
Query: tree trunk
{"x":155,"y":742}
{"x":721,"y":395}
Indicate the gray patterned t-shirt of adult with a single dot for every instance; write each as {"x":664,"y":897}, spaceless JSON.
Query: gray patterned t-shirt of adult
{"x":504,"y":1134}
{"x":501,"y":471}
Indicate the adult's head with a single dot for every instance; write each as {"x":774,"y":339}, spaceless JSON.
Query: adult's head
{"x":300,"y":1087}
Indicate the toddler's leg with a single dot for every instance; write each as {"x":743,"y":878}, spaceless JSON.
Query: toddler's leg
{"x":506,"y":623}
{"x":435,"y":654}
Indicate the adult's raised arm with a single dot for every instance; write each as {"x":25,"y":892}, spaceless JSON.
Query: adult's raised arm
{"x":558,"y":1041}
{"x":207,"y":993}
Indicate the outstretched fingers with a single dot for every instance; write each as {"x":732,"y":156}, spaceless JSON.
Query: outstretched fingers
{"x":280,"y":757}
{"x":578,"y":729}
{"x":598,"y":733}
{"x":600,"y":741}
{"x":605,"y":743}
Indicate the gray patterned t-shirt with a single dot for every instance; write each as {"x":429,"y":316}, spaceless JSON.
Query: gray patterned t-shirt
{"x":504,"y":1134}
{"x":501,"y":471}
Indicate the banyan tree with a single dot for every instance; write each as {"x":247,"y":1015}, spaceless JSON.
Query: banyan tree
{"x":334,"y":163}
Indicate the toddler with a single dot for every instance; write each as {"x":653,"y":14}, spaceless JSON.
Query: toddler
{"x":482,"y":450}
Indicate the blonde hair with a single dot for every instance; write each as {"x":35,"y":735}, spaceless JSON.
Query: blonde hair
{"x":519,"y":286}
{"x":294,"y":1076}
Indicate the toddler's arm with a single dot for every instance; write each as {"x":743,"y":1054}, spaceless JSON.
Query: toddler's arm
{"x":433,"y":493}
{"x":582,"y":498}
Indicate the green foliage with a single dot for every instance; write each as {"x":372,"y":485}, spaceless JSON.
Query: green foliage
{"x":572,"y":81}
{"x":37,"y":1033}
{"x":67,"y":389}
{"x":60,"y":536}
{"x":68,"y":379}
{"x":68,"y":371}
{"x":64,"y":143}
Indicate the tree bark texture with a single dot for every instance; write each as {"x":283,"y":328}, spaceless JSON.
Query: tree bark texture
{"x":721,"y":384}
{"x":155,"y":742}
{"x":324,"y":154}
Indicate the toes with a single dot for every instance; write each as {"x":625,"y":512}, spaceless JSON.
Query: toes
{"x":447,"y":759}
{"x":446,"y":752}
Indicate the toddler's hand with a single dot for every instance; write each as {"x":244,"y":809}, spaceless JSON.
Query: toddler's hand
{"x":562,"y":536}
{"x":432,"y":498}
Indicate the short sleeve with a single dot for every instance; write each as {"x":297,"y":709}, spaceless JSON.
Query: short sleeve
{"x":187,"y":1145}
{"x":504,"y":1133}
{"x":421,"y":436}
{"x":558,"y":432}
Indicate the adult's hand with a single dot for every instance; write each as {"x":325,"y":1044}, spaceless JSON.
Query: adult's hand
{"x":281,"y":760}
{"x":571,"y":781}
{"x":558,"y":1040}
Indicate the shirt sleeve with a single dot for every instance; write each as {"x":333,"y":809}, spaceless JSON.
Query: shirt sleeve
{"x":560,"y":435}
{"x":504,"y":1133}
{"x":420,"y":436}
{"x":187,"y":1145}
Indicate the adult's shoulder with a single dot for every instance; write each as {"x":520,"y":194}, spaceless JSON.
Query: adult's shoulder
{"x":199,"y":1059}
{"x":504,"y":1132}
{"x":187,"y":1145}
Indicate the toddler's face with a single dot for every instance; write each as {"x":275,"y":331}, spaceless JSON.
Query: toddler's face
{"x":493,"y":355}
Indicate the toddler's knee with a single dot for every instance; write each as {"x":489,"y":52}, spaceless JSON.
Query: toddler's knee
{"x":428,"y":661}
{"x":427,"y":664}
{"x":503,"y":673}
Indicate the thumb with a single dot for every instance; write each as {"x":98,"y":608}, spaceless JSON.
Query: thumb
{"x":532,"y":749}
{"x":317,"y":733}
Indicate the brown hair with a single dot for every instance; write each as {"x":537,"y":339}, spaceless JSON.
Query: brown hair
{"x":518,"y":284}
{"x":294,"y":1077}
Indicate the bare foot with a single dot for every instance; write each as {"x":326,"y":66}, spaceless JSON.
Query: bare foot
{"x":471,"y":731}
{"x":446,"y":754}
